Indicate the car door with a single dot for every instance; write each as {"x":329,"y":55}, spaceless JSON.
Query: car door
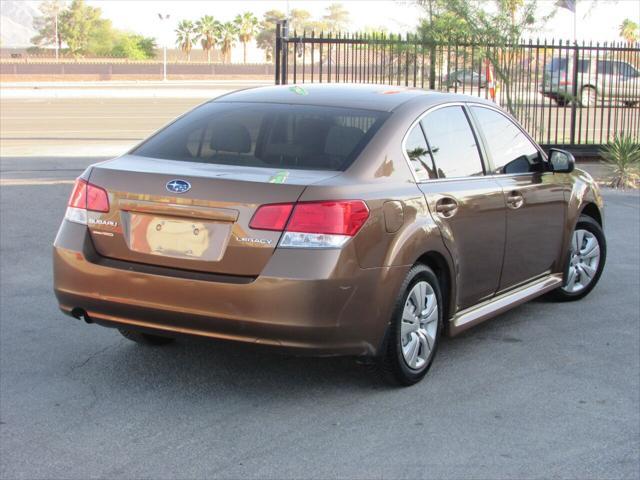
{"x":468,"y":206}
{"x":627,"y":81}
{"x":534,"y":196}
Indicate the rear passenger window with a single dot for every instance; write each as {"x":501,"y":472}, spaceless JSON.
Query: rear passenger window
{"x":510,"y":149}
{"x":452,"y":143}
{"x":418,"y":154}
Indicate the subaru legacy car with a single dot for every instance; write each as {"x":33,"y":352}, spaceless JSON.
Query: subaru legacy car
{"x":358,"y":220}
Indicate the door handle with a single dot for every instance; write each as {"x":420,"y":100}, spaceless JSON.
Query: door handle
{"x":446,"y":207}
{"x":515,"y":199}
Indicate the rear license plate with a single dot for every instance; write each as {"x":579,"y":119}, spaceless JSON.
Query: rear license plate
{"x":178,"y":238}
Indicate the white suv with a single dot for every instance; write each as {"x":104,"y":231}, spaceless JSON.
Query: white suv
{"x":597,"y":78}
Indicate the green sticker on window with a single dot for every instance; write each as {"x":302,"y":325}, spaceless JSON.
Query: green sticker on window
{"x":298,"y":90}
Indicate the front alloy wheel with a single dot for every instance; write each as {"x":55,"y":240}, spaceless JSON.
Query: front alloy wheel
{"x":584,"y":261}
{"x":587,"y":256}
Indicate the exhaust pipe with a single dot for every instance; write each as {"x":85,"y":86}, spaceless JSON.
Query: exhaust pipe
{"x":81,"y":314}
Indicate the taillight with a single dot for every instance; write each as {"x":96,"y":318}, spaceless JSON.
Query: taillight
{"x":335,"y":218}
{"x":271,"y":217}
{"x":86,"y":196}
{"x":326,"y":224}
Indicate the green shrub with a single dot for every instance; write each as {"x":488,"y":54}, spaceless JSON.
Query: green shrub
{"x":623,"y":154}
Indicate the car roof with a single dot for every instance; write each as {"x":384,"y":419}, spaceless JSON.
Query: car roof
{"x":358,"y":96}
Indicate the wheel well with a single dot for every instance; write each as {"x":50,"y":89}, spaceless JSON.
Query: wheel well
{"x":436,"y":262}
{"x":591,"y":210}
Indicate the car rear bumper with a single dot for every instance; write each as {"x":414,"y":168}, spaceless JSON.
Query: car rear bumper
{"x":316,"y":302}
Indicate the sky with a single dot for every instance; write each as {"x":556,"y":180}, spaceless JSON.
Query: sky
{"x":596,"y":20}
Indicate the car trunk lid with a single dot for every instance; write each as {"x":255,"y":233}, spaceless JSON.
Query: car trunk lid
{"x":205,"y":228}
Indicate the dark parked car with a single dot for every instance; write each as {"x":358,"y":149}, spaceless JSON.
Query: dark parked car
{"x":467,"y":78}
{"x":331,"y":220}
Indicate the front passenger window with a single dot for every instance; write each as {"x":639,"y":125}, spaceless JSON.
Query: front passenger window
{"x":510,"y":149}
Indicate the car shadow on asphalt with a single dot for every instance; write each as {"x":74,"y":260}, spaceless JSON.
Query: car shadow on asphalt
{"x":192,"y":366}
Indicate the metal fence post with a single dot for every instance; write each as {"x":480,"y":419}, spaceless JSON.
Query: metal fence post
{"x":574,"y":94}
{"x":284,"y":49}
{"x":278,"y":52}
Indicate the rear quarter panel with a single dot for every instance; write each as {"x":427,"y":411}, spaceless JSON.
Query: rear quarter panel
{"x":400,"y":228}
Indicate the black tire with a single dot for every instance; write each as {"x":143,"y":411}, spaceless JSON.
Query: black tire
{"x":560,"y":101}
{"x":391,"y":363}
{"x":586,"y":223}
{"x":145,"y":338}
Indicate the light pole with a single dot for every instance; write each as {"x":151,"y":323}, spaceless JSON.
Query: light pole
{"x":164,"y":48}
{"x":57,"y":43}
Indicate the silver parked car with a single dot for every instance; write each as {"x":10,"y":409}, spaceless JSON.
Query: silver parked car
{"x":614,"y":80}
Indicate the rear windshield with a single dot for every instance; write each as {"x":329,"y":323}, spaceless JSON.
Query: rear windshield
{"x":306,"y":137}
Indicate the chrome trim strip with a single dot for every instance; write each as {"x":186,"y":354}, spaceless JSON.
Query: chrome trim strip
{"x":484,"y":311}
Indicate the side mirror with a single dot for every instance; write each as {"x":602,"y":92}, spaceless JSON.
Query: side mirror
{"x":561,"y":161}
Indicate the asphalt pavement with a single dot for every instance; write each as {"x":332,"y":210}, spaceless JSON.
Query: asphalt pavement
{"x":546,"y":390}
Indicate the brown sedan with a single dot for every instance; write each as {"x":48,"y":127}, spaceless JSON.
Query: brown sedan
{"x":356,"y":220}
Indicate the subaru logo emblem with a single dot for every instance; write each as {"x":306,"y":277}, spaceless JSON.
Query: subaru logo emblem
{"x":178,"y":186}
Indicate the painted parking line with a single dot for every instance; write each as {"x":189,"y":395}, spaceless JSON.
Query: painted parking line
{"x":21,"y":182}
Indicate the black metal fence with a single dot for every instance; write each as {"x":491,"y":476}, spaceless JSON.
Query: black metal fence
{"x":575,"y":95}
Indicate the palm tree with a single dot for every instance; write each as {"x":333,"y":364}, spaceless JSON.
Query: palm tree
{"x":336,"y":17}
{"x":227,"y":39}
{"x":629,"y":30}
{"x":247,"y":25}
{"x":208,"y":28}
{"x":266,"y":38}
{"x":186,"y":36}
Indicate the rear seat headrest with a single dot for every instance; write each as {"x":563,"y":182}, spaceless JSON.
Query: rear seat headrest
{"x":231,"y":137}
{"x":342,"y":140}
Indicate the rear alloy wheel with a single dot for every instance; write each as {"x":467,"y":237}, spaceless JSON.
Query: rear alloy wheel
{"x":561,"y":101}
{"x":145,"y":338}
{"x":415,"y":329}
{"x":588,"y":97}
{"x":586,"y":260}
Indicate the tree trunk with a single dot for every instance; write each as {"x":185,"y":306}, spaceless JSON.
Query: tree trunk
{"x":244,"y":52}
{"x":209,"y":55}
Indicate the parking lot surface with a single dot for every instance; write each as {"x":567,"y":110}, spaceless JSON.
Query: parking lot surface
{"x":546,"y":390}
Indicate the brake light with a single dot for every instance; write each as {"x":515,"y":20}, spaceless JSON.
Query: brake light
{"x":325,"y":224}
{"x":86,"y":196}
{"x":78,"y":198}
{"x":271,"y":217}
{"x":334,"y":218}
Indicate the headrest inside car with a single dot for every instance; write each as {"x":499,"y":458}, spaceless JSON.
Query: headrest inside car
{"x":231,"y":137}
{"x":342,"y":140}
